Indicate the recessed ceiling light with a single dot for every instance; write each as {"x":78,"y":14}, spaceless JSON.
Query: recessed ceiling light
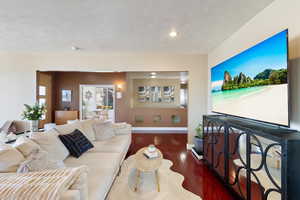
{"x":152,"y":76}
{"x":74,"y":48}
{"x":153,"y":73}
{"x":173,"y":34}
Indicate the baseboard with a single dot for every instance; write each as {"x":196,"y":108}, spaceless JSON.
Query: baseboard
{"x":159,"y":130}
{"x":189,"y":146}
{"x":196,"y":154}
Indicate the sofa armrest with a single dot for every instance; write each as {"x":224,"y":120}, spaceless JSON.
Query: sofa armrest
{"x":71,"y":195}
{"x":122,"y":128}
{"x":81,"y":185}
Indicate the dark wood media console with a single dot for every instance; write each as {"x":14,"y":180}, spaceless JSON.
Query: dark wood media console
{"x":257,"y":161}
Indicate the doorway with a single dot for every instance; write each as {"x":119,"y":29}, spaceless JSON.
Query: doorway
{"x":97,"y":102}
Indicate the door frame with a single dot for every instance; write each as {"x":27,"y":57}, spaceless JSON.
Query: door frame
{"x":113,"y":87}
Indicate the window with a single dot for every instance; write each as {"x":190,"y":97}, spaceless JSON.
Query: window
{"x":42,"y":101}
{"x":42,"y":90}
{"x":42,"y":97}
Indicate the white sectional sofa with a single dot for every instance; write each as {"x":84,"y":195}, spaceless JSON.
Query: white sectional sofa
{"x":103,"y":161}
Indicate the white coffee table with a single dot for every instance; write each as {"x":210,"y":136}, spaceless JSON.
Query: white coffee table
{"x":145,"y":165}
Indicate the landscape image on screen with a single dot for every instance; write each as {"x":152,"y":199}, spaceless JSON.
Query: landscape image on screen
{"x":254,"y":84}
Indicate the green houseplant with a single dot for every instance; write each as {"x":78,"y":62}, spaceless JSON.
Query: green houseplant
{"x":34,"y":114}
{"x":198,"y":141}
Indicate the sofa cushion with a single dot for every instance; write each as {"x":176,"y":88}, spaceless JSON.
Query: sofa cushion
{"x":76,"y":143}
{"x":103,"y":131}
{"x":116,"y":144}
{"x":25,"y":145}
{"x":50,"y":142}
{"x":10,"y":158}
{"x":103,"y":168}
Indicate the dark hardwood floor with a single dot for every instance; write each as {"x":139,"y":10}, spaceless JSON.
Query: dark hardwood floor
{"x":198,"y":178}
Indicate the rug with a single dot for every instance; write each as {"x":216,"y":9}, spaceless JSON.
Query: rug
{"x":170,"y":184}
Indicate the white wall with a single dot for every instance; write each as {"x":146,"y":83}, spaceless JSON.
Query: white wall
{"x":281,"y":14}
{"x":18,"y":75}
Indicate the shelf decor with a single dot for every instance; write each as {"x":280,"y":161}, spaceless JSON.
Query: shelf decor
{"x":156,"y":94}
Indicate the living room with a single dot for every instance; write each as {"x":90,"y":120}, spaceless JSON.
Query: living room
{"x":149,"y":101}
{"x":118,"y":37}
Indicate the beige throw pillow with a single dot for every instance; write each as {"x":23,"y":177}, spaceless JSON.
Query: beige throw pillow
{"x":50,"y":143}
{"x":104,"y":131}
{"x":10,"y":159}
{"x":69,"y":128}
{"x":25,"y":145}
{"x":88,"y":128}
{"x":122,"y":128}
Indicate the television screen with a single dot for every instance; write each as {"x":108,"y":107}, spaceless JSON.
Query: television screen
{"x":254,"y":83}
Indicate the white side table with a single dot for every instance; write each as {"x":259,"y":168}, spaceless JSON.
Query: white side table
{"x":145,"y":165}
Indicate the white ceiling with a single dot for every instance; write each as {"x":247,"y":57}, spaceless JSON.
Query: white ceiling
{"x":122,"y":25}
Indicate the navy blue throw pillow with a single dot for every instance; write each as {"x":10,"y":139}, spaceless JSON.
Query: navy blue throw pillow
{"x":76,"y":143}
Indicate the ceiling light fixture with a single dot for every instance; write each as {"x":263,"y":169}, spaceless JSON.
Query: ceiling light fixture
{"x":152,"y":76}
{"x":74,"y":48}
{"x":153,"y":73}
{"x":173,"y":34}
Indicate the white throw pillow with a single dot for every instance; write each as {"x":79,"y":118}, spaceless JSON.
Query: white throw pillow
{"x":88,"y":129}
{"x":39,"y":160}
{"x":25,"y":145}
{"x":104,"y":131}
{"x":10,"y":159}
{"x":50,"y":142}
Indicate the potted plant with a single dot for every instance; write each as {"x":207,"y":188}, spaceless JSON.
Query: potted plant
{"x":34,"y":114}
{"x":198,"y":141}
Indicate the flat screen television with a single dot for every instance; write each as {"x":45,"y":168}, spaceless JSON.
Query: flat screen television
{"x":254,"y":83}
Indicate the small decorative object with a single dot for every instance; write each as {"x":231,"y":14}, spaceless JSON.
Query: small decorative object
{"x":198,"y":140}
{"x":151,"y":152}
{"x":67,"y":108}
{"x":34,"y":114}
{"x":66,"y":95}
{"x":141,"y":90}
{"x":157,"y":118}
{"x":151,"y":148}
{"x":142,"y":99}
{"x":175,"y":119}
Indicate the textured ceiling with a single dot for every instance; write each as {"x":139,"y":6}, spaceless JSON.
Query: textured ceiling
{"x":122,"y":25}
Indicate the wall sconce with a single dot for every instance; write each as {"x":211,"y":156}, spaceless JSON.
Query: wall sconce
{"x":119,"y":87}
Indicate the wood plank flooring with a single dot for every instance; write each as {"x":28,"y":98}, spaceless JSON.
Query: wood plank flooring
{"x":198,"y":178}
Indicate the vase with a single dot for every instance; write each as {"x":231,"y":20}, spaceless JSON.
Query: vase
{"x":34,"y":125}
